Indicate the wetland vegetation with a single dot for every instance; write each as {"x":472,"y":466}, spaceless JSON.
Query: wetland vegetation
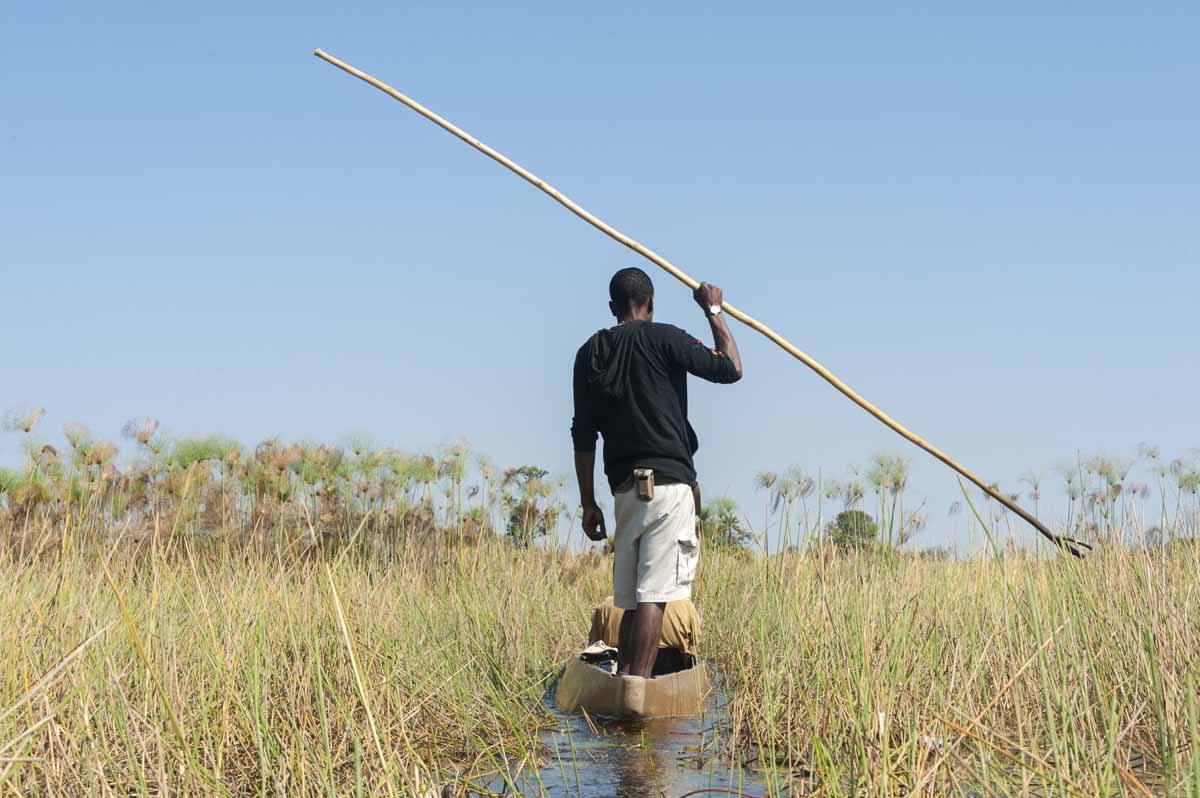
{"x":198,"y":617}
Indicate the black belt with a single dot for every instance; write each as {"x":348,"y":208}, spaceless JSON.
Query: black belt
{"x":630,"y":481}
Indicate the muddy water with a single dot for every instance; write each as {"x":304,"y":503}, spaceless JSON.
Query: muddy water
{"x":668,"y":757}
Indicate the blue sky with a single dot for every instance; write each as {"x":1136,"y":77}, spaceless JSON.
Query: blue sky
{"x":985,"y":221}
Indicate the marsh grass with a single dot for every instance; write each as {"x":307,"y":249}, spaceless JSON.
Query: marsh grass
{"x":316,"y":620}
{"x":205,"y":668}
{"x":1015,"y":675}
{"x":219,"y":670}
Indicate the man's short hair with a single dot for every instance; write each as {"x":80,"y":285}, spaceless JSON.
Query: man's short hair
{"x":630,"y":288}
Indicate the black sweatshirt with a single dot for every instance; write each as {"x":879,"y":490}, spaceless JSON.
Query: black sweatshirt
{"x":631,"y":387}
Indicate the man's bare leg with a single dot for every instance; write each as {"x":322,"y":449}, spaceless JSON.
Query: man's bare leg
{"x":646,"y":632}
{"x":625,"y":647}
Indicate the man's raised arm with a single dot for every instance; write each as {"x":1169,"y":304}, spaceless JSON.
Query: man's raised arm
{"x":722,"y":363}
{"x":709,"y":297}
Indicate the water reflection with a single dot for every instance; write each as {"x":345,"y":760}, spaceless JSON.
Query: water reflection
{"x":665,"y":757}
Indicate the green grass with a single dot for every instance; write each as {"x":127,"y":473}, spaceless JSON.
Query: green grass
{"x":228,"y":671}
{"x":1010,"y":676}
{"x":229,"y":668}
{"x":295,"y":619}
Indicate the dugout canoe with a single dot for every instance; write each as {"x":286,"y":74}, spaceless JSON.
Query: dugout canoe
{"x":593,"y":687}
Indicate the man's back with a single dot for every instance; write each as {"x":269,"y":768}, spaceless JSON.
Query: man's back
{"x":630,"y":385}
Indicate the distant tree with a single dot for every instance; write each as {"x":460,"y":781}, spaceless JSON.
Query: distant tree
{"x":529,"y":502}
{"x":765,"y":481}
{"x":721,"y":524}
{"x":888,"y":475}
{"x":852,"y":530}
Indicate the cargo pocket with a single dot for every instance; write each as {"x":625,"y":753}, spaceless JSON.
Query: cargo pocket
{"x":688,"y":547}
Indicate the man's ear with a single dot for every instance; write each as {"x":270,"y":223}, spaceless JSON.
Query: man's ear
{"x":650,"y":305}
{"x":612,"y":308}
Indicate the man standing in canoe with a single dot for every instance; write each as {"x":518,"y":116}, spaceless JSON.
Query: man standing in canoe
{"x":630,"y":386}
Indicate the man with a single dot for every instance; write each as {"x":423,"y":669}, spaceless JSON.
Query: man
{"x":630,"y":386}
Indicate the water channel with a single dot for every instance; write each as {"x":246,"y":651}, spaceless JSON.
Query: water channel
{"x":655,"y":758}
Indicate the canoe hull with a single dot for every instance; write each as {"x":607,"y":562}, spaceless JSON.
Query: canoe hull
{"x":585,"y":686}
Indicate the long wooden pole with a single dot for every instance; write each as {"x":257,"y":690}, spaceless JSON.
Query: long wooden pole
{"x":1069,"y":544}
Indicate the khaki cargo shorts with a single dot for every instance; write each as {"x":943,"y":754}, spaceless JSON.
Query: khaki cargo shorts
{"x":655,"y":546}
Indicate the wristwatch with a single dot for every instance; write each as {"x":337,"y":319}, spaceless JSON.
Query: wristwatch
{"x":714,"y":310}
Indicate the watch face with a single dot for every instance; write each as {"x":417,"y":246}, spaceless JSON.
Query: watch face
{"x":714,"y":309}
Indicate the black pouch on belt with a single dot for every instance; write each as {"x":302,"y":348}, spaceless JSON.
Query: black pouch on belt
{"x":643,"y":479}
